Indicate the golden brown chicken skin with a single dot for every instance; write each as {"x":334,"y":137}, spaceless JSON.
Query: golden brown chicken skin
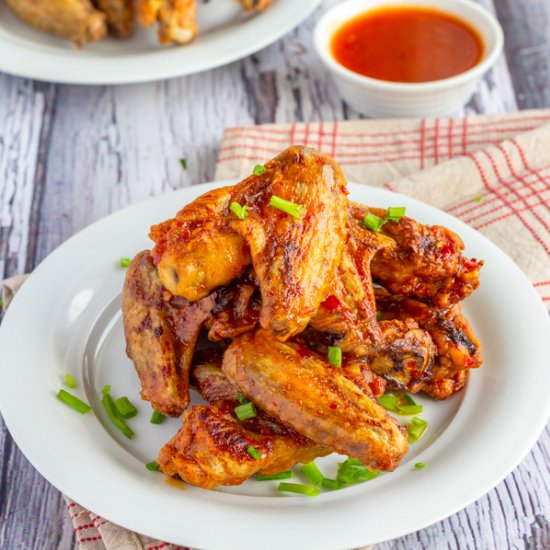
{"x":119,"y":14}
{"x":255,"y":5}
{"x":176,"y":19}
{"x":197,"y":251}
{"x":294,"y":258}
{"x":426,"y":263}
{"x":457,"y":348}
{"x":298,"y":388}
{"x":161,"y":333}
{"x":76,"y":20}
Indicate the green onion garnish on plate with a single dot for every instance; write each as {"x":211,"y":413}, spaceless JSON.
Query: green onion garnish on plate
{"x":125,"y":262}
{"x":254,"y":453}
{"x":72,"y":401}
{"x":281,"y":475}
{"x":307,"y":490}
{"x":259,"y":170}
{"x":240,"y":211}
{"x":245,"y":412}
{"x":112,"y":413}
{"x":69,"y":381}
{"x":416,"y":429}
{"x":125,"y":407}
{"x":334,"y":356}
{"x":157,"y":418}
{"x":312,"y":473}
{"x":153,"y":466}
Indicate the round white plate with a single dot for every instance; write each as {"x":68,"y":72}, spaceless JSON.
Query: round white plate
{"x":227,"y":34}
{"x":66,"y":319}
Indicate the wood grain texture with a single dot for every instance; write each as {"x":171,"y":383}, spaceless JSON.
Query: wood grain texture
{"x":72,"y":154}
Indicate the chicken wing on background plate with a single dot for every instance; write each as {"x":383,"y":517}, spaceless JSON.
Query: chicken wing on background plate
{"x":119,"y":14}
{"x":76,"y":20}
{"x":176,"y":19}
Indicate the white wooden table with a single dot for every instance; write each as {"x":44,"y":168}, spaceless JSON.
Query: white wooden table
{"x":72,"y":154}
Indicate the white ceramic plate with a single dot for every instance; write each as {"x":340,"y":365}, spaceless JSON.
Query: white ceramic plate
{"x":66,"y":319}
{"x":227,"y":34}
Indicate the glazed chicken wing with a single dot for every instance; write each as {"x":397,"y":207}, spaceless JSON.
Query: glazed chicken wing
{"x":161,"y":332}
{"x":294,"y":258}
{"x":317,"y":400}
{"x":119,"y":14}
{"x":76,"y":20}
{"x":255,"y":5}
{"x":426,"y":263}
{"x":176,"y":19}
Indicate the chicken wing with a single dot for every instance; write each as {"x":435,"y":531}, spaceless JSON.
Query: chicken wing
{"x":316,"y":399}
{"x":197,"y":251}
{"x":76,"y":20}
{"x":119,"y":14}
{"x":255,"y":5}
{"x":176,"y":19}
{"x":161,"y":332}
{"x":457,"y":348}
{"x":294,"y":259}
{"x":426,"y":263}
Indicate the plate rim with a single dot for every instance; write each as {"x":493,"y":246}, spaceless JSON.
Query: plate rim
{"x":186,"y":194}
{"x":57,"y":67}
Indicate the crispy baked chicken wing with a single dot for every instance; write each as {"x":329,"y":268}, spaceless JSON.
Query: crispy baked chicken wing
{"x":255,"y":5}
{"x":294,"y":259}
{"x":76,"y":20}
{"x":176,"y":19}
{"x":210,"y":448}
{"x":457,"y":348}
{"x":426,"y":263}
{"x":197,"y":251}
{"x":119,"y":14}
{"x":298,"y":388}
{"x":161,"y":332}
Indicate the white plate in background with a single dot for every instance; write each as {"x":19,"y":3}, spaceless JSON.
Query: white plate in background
{"x":66,"y":319}
{"x":227,"y":34}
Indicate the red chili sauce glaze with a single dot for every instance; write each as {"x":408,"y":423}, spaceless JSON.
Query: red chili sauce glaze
{"x":407,"y":44}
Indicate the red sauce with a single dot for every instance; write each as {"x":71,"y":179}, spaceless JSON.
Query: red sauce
{"x":407,"y":44}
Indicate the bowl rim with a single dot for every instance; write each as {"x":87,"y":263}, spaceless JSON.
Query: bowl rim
{"x":495,"y":34}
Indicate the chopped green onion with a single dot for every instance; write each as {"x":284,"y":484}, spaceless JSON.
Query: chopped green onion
{"x":69,"y":381}
{"x":157,"y":418}
{"x":281,"y":475}
{"x":312,"y":473}
{"x":410,"y":409}
{"x":378,"y":315}
{"x":335,"y":356}
{"x":416,"y":429}
{"x":354,"y":471}
{"x":389,"y":402}
{"x":246,"y":411}
{"x":153,"y":466}
{"x":286,"y":206}
{"x":125,"y":407}
{"x":73,"y":401}
{"x":240,"y":211}
{"x":373,"y":222}
{"x":420,"y":465}
{"x":125,"y":262}
{"x":478,"y":199}
{"x":408,"y":399}
{"x":331,"y":483}
{"x":1,"y":304}
{"x":106,"y":390}
{"x":241,"y":398}
{"x":307,"y":490}
{"x":254,"y":453}
{"x":116,"y":419}
{"x":395,"y":213}
{"x":183,"y":163}
{"x":259,"y":170}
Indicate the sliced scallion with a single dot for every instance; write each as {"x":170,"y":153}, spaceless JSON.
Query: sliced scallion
{"x":241,"y":398}
{"x":72,"y":401}
{"x":286,"y":206}
{"x":389,"y":402}
{"x":153,"y":466}
{"x":420,"y":465}
{"x":281,"y":475}
{"x":157,"y":418}
{"x":416,"y":429}
{"x":125,"y":407}
{"x":69,"y":381}
{"x":312,"y":473}
{"x":335,"y":356}
{"x":307,"y":490}
{"x":240,"y":211}
{"x":254,"y":453}
{"x":112,"y":413}
{"x":395,"y":213}
{"x":331,"y":483}
{"x":245,"y":412}
{"x":259,"y":170}
{"x":373,"y":222}
{"x":125,"y":262}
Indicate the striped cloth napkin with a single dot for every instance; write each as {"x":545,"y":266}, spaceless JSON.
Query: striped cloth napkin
{"x":492,"y":172}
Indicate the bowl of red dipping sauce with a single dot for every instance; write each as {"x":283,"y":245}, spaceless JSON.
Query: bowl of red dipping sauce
{"x":405,"y":58}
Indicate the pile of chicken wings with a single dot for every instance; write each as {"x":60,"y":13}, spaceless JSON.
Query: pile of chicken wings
{"x":84,"y":21}
{"x":247,"y":309}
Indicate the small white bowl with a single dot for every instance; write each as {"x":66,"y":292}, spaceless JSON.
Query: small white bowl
{"x":381,"y":98}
